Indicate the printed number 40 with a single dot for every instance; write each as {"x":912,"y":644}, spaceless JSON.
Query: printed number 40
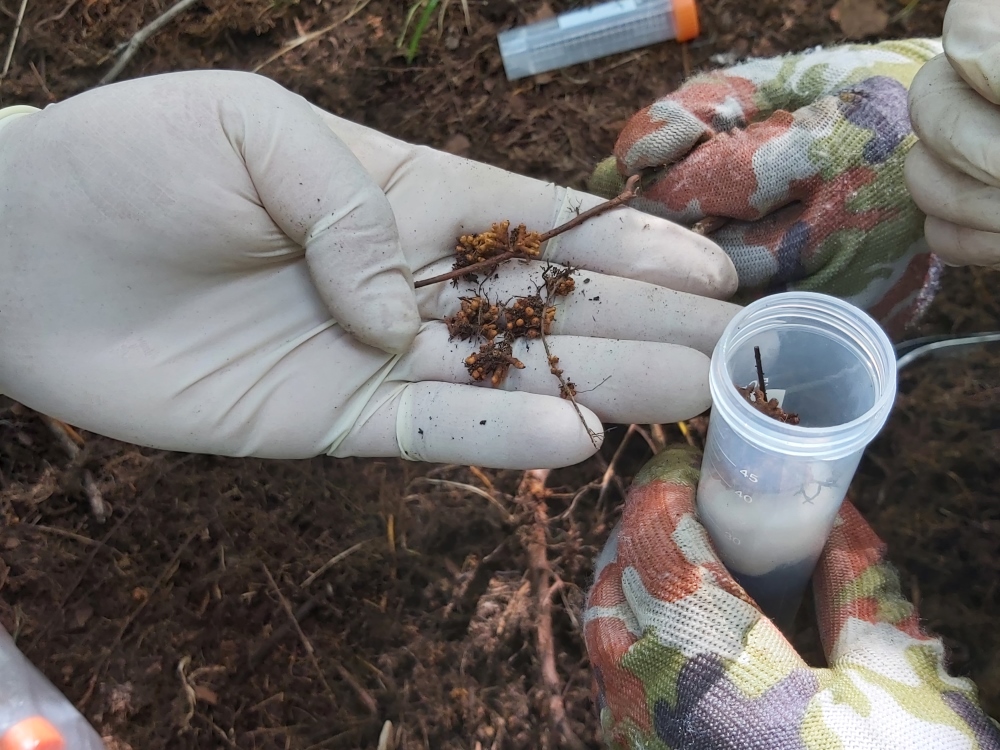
{"x":748,"y":475}
{"x":746,"y":498}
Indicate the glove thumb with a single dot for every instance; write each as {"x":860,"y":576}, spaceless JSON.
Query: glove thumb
{"x":357,"y":264}
{"x":319,"y":194}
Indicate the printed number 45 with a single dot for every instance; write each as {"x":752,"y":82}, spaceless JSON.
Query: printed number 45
{"x":748,"y":475}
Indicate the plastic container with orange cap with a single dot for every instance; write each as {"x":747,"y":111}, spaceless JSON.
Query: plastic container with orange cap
{"x":598,"y":31}
{"x":34,"y":715}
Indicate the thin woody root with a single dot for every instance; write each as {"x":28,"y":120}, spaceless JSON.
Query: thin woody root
{"x":128,"y":49}
{"x":532,"y":498}
{"x":559,"y":283}
{"x":485,"y":251}
{"x":13,"y":40}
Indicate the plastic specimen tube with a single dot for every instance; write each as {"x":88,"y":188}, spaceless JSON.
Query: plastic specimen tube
{"x":34,"y":715}
{"x":598,"y":31}
{"x":770,"y":491}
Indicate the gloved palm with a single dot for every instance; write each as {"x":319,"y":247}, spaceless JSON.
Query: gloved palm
{"x":204,"y":262}
{"x":803,"y":155}
{"x":684,"y":660}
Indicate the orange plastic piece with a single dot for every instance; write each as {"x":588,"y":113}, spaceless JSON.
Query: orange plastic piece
{"x":34,"y":733}
{"x":686,"y":20}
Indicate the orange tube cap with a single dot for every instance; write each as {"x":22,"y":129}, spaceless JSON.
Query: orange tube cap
{"x":34,"y":733}
{"x":686,"y":20}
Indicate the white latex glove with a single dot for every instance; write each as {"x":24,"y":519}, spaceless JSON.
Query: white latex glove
{"x":186,"y":257}
{"x":953,"y":173}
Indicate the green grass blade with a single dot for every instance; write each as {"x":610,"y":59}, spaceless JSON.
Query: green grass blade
{"x":418,"y":31}
{"x":409,"y":19}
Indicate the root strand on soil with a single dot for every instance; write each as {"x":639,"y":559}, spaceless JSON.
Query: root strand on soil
{"x":531,"y":497}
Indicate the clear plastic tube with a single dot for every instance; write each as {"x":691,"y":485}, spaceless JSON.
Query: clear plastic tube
{"x":33,"y":713}
{"x":598,"y":31}
{"x":770,"y":491}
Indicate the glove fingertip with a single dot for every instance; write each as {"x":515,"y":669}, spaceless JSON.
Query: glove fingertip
{"x":975,"y":72}
{"x":678,"y":464}
{"x":606,"y":181}
{"x":969,"y":37}
{"x":392,"y":327}
{"x":658,"y":135}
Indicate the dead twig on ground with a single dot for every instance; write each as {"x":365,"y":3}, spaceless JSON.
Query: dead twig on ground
{"x":85,"y":540}
{"x":68,"y":438}
{"x":610,"y":475}
{"x":146,"y":493}
{"x":127,"y":51}
{"x":58,"y":16}
{"x":644,"y":434}
{"x":164,"y":576}
{"x":659,"y":437}
{"x":339,"y":557}
{"x":41,"y":81}
{"x":98,"y":506}
{"x":306,"y":643}
{"x":531,"y":496}
{"x":488,"y":496}
{"x":302,"y":613}
{"x":190,"y":696}
{"x":590,"y":486}
{"x":13,"y":40}
{"x":219,"y":732}
{"x":305,"y":38}
{"x":365,"y":697}
{"x":72,"y":443}
{"x":389,"y":737}
{"x":458,"y":614}
{"x":370,"y":703}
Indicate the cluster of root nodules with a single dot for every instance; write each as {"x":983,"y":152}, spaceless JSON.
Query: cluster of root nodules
{"x":759,"y":401}
{"x":498,"y":240}
{"x":497,"y":325}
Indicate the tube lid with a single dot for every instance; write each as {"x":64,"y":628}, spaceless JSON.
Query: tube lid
{"x":686,"y":20}
{"x":33,"y":733}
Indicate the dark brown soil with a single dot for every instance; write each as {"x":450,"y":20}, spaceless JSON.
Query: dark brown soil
{"x":171,"y":598}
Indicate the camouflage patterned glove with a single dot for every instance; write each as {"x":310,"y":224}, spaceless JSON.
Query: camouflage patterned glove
{"x":683,"y":660}
{"x":804,"y":154}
